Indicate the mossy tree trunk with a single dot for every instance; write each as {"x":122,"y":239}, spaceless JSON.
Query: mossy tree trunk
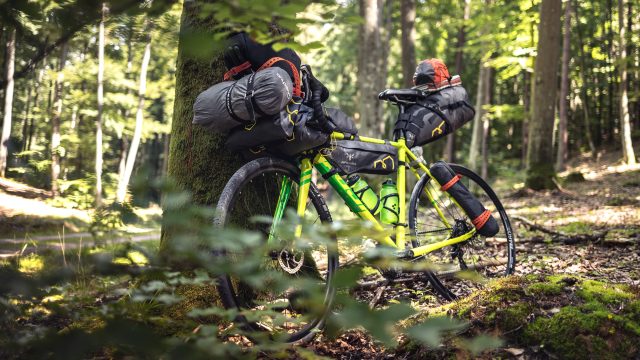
{"x":198,"y":162}
{"x":540,"y":164}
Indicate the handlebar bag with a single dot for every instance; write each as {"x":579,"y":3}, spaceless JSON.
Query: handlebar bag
{"x":351,"y":156}
{"x":229,"y":104}
{"x":343,"y":122}
{"x":435,"y":116}
{"x":305,"y":136}
{"x":308,"y":135}
{"x":275,"y":129}
{"x":481,"y":218}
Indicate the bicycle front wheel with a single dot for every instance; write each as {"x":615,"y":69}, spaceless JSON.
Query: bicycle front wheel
{"x":456,"y":267}
{"x":283,"y":310}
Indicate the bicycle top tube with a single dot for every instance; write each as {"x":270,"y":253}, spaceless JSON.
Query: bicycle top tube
{"x":342,"y":136}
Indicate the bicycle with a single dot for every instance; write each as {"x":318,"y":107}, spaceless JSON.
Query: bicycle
{"x":438,"y":228}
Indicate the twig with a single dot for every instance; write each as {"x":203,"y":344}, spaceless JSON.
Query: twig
{"x":64,"y":257}
{"x":563,"y":190}
{"x":378,"y":295}
{"x":557,"y":235}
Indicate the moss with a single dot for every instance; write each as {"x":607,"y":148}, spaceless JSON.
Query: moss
{"x":571,"y":317}
{"x":546,"y":288}
{"x":577,"y":227}
{"x":198,"y":161}
{"x":574,"y":177}
{"x":574,"y":333}
{"x":611,"y":295}
{"x":540,"y":176}
{"x":620,"y":201}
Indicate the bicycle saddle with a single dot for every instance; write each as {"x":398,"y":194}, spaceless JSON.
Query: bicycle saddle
{"x":397,"y":95}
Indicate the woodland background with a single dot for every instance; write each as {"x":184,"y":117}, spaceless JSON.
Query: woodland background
{"x":97,"y":101}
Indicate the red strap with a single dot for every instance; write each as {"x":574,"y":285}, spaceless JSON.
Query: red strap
{"x":236,"y":70}
{"x":297,"y":90}
{"x":481,"y":219}
{"x":451,"y":182}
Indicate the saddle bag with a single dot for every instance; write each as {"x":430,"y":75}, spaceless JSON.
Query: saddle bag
{"x":358,"y":157}
{"x":435,"y":116}
{"x":481,"y":218}
{"x":229,"y":104}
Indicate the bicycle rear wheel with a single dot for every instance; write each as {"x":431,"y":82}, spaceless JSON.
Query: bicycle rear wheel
{"x":456,"y":266}
{"x":252,"y":192}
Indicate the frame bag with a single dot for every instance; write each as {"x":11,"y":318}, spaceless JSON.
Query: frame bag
{"x":435,"y":116}
{"x":481,"y":218}
{"x":230,"y":104}
{"x":367,"y":158}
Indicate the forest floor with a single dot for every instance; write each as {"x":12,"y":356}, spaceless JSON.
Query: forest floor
{"x":598,"y":211}
{"x":31,"y":224}
{"x":573,"y":296}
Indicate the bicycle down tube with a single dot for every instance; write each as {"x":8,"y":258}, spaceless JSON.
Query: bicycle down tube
{"x":355,"y":204}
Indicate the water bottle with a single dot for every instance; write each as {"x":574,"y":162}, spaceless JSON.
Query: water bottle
{"x":389,"y":200}
{"x":365,"y":193}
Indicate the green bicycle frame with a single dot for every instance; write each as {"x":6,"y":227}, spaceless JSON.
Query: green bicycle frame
{"x":355,"y":204}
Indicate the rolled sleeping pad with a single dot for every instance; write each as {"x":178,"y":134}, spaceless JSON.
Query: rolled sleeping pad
{"x":481,"y":218}
{"x":229,"y":104}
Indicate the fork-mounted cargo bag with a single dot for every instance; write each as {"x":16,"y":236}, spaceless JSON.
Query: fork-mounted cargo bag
{"x":229,"y":104}
{"x":481,"y":218}
{"x":367,"y":158}
{"x":435,"y":116}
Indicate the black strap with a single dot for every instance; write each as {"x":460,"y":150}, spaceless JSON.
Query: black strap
{"x":248,"y":98}
{"x":384,"y":206}
{"x":359,"y":194}
{"x":331,"y":172}
{"x":227,"y":103}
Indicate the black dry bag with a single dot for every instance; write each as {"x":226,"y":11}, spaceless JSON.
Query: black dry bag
{"x":481,"y":218}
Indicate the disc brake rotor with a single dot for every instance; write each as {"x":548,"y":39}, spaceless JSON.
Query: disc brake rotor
{"x":291,"y":261}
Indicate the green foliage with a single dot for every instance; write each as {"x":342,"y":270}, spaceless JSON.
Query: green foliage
{"x":123,"y":301}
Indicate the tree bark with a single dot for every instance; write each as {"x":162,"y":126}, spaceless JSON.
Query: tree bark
{"x":484,"y":169}
{"x":628,"y":155}
{"x":450,"y":147}
{"x":137,"y":134}
{"x":10,"y":52}
{"x":125,"y":111}
{"x":27,"y":115}
{"x":98,"y":164}
{"x":370,"y":54}
{"x":526,"y":100}
{"x":563,"y":134}
{"x":475,"y":149}
{"x":408,"y":26}
{"x":540,"y":169}
{"x":583,"y":88}
{"x":198,"y":161}
{"x":55,"y":121}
